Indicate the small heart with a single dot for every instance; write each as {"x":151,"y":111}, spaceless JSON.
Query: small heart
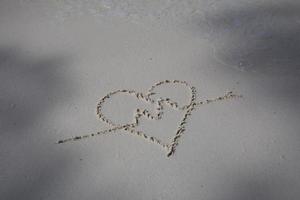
{"x":158,"y":104}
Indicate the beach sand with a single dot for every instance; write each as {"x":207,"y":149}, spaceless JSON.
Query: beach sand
{"x":59,"y":58}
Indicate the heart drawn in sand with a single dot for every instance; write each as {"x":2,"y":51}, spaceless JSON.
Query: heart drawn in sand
{"x":159,"y":104}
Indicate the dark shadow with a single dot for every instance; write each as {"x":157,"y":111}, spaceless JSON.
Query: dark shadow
{"x":255,"y":189}
{"x":256,"y":186}
{"x":261,"y":39}
{"x":44,"y":182}
{"x":29,"y":87}
{"x":258,"y":37}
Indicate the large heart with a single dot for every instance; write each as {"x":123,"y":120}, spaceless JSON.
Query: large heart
{"x":159,"y":104}
{"x":159,"y":108}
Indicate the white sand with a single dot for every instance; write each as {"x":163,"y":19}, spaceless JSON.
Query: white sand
{"x":58,"y":58}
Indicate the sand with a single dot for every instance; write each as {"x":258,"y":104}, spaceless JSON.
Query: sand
{"x":59,"y":58}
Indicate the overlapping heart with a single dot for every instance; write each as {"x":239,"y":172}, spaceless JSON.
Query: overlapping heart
{"x":159,"y":108}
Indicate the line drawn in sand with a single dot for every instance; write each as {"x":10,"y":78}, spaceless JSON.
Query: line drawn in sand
{"x":159,"y":108}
